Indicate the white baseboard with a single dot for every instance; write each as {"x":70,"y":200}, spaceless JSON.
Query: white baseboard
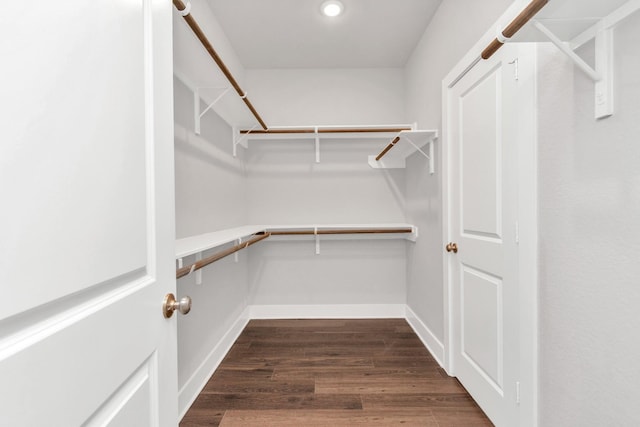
{"x":337,"y":311}
{"x":194,"y":385}
{"x":433,"y":344}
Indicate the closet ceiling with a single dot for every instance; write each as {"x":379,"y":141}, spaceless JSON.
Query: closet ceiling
{"x":294,"y":34}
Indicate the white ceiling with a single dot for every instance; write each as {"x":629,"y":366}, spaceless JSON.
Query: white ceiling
{"x":294,"y":34}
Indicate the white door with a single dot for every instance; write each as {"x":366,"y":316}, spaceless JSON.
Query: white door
{"x":482,"y":125}
{"x":87,"y":221}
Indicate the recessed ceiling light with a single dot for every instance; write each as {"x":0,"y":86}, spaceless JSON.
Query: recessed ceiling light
{"x":332,"y":8}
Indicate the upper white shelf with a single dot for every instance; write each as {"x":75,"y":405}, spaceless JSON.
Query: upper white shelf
{"x":568,"y":24}
{"x":194,"y":67}
{"x":326,"y":132}
{"x":318,"y":133}
{"x":569,"y":19}
{"x":410,"y":142}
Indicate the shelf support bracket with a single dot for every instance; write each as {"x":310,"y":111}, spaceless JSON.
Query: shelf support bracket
{"x":317,"y":145}
{"x":604,"y":65}
{"x":196,"y":105}
{"x":240,"y":139}
{"x":428,"y":156}
{"x":602,"y":76}
{"x":414,"y":234}
{"x":236,"y":255}
{"x":199,"y":272}
{"x":315,"y":231}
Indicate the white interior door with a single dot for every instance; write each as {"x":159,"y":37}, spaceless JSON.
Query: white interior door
{"x":482,"y":124}
{"x":87,"y":220}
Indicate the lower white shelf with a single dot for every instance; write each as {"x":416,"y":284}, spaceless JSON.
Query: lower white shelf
{"x":200,"y":243}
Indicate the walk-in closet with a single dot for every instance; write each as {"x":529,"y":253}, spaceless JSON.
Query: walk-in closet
{"x":320,"y":212}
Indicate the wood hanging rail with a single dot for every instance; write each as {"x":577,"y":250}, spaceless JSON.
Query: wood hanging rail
{"x":342,"y":231}
{"x":214,"y":55}
{"x":327,"y":130}
{"x":515,"y":25}
{"x":387,"y":148}
{"x":184,"y":271}
{"x":181,"y":272}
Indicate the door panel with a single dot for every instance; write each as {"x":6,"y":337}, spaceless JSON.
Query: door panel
{"x":87,"y":245}
{"x":480,"y":157}
{"x":133,"y":401}
{"x":76,"y":353}
{"x":483,"y":216}
{"x":481,"y":310}
{"x":69,"y":157}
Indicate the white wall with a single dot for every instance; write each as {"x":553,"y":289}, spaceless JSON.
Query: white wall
{"x":210,"y":188}
{"x":303,"y":97}
{"x":345,"y":272}
{"x":191,"y":59}
{"x":286,"y":186}
{"x":589,"y":189}
{"x":210,"y":195}
{"x":454,"y":29}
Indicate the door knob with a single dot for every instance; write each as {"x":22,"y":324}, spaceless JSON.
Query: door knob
{"x":452,"y":247}
{"x":170,"y":304}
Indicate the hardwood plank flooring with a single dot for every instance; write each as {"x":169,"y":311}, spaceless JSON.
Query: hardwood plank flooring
{"x":369,"y":372}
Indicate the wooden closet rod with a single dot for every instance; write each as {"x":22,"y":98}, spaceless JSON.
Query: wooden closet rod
{"x":515,"y":25}
{"x":341,"y":231}
{"x":331,"y":130}
{"x":207,"y":45}
{"x":387,"y":148}
{"x":181,"y":272}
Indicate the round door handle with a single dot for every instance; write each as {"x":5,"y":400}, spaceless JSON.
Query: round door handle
{"x":170,"y":304}
{"x":452,"y":247}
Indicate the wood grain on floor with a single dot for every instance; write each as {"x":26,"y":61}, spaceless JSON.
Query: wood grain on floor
{"x":373,"y":372}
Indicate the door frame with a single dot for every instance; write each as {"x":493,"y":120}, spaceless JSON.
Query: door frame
{"x":527,"y":216}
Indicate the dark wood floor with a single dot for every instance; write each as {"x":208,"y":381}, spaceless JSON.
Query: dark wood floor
{"x":332,"y":373}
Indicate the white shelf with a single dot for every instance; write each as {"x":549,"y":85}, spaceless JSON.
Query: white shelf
{"x":568,"y":19}
{"x":355,"y":236}
{"x":319,"y":133}
{"x":325,"y":135}
{"x":569,"y":24}
{"x":410,"y":142}
{"x":200,"y":243}
{"x":194,"y":67}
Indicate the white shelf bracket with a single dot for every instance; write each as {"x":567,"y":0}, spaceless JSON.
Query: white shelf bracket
{"x":602,"y":76}
{"x":180,"y":263}
{"x":199,"y":272}
{"x":604,"y":65}
{"x":196,"y":111}
{"x":239,"y":139}
{"x":414,"y":234}
{"x":428,"y":156}
{"x":196,"y":105}
{"x":315,"y":232}
{"x":236,"y":255}
{"x":317,"y":145}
